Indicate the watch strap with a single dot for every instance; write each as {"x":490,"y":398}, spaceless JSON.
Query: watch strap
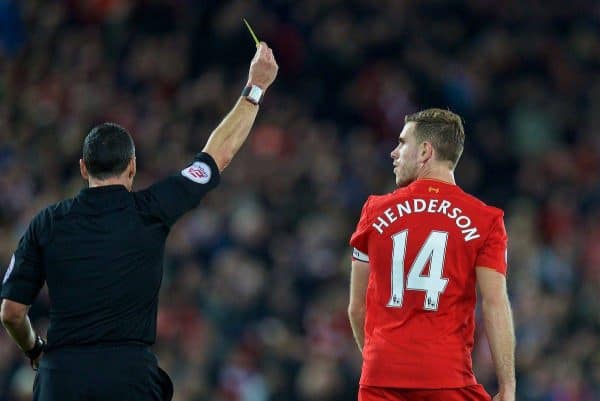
{"x":254,"y":94}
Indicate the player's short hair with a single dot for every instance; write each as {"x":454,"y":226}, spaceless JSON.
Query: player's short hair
{"x":107,"y":150}
{"x":443,"y":129}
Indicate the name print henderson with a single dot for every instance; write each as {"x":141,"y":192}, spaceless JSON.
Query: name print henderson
{"x":418,"y":205}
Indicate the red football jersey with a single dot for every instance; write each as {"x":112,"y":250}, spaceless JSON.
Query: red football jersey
{"x":423,"y":243}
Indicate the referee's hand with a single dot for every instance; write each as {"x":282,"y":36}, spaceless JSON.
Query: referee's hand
{"x":263,"y":68}
{"x":35,"y":363}
{"x":35,"y":353}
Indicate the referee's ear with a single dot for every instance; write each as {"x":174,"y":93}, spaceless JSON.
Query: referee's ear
{"x":132,"y":168}
{"x":83,"y":170}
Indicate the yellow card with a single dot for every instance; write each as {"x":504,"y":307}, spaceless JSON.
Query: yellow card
{"x":251,"y":32}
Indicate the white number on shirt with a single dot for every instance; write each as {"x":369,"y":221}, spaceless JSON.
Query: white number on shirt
{"x":432,"y":251}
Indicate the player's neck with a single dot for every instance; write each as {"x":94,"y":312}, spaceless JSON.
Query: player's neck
{"x":437,"y":172}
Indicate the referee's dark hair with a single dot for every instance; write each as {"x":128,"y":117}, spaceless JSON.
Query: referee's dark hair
{"x":107,"y":150}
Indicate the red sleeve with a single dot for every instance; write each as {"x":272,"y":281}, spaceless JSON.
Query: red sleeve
{"x":493,"y":252}
{"x":359,"y":239}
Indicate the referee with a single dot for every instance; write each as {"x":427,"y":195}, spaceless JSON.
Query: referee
{"x":101,"y":256}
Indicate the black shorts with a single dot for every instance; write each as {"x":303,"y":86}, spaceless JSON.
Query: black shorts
{"x":101,"y":373}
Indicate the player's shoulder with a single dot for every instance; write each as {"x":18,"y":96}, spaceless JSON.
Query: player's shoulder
{"x":478,"y":204}
{"x":375,"y":202}
{"x":382,"y":199}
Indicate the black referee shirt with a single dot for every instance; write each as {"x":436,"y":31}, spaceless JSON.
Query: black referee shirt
{"x":101,"y":255}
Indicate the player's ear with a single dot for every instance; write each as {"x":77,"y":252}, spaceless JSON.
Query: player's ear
{"x":83,"y":170}
{"x":426,"y":151}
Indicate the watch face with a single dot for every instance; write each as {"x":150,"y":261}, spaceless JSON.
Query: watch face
{"x":255,"y":93}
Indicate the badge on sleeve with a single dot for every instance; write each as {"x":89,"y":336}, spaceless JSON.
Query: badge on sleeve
{"x":358,"y":255}
{"x":198,"y":172}
{"x":9,"y":270}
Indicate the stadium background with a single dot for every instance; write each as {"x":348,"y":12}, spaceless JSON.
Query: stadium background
{"x":254,"y":297}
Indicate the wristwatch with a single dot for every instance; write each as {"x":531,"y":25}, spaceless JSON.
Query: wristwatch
{"x":254,"y":94}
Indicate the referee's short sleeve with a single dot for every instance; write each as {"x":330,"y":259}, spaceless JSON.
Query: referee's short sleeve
{"x":170,"y":198}
{"x":25,"y":275}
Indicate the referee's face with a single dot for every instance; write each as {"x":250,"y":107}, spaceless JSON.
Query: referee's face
{"x":405,"y":156}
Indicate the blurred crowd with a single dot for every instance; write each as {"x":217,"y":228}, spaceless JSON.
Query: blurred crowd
{"x":254,"y":295}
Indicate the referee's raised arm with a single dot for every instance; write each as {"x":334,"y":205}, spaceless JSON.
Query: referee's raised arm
{"x":228,"y":137}
{"x":172,"y":197}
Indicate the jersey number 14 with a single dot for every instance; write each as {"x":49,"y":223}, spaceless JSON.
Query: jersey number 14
{"x":432,"y":251}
